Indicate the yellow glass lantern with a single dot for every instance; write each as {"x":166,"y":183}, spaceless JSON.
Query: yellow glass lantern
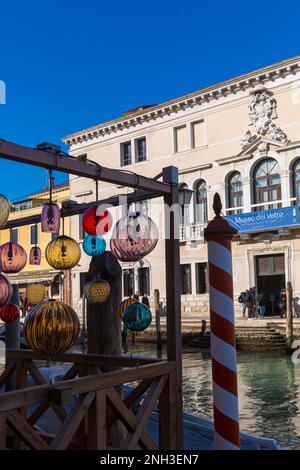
{"x":35,"y":293}
{"x":124,"y":305}
{"x":51,"y":328}
{"x":4,"y":210}
{"x":63,"y":253}
{"x":97,"y":291}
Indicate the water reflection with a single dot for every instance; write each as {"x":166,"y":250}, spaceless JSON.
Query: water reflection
{"x":269,"y":386}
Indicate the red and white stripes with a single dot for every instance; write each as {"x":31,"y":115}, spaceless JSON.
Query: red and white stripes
{"x":225,"y":397}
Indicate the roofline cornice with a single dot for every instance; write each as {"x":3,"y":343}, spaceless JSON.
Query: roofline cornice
{"x":199,"y":97}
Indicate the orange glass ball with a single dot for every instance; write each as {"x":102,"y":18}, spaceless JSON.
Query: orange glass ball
{"x":97,"y":291}
{"x":51,"y":328}
{"x":63,"y":253}
{"x":124,"y":305}
{"x":35,"y":293}
{"x":9,"y":313}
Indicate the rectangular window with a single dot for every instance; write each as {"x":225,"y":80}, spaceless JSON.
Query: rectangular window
{"x":81,"y":231}
{"x":14,"y":235}
{"x":140,"y":150}
{"x":126,"y":154}
{"x":55,"y":286}
{"x":144,"y":281}
{"x":201,"y":269}
{"x":180,"y":139}
{"x":198,"y":134}
{"x":186,"y":279}
{"x":34,"y":235}
{"x":82,"y":283}
{"x":128,"y":282}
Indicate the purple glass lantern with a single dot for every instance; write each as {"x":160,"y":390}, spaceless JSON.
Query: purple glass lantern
{"x":5,"y":290}
{"x":12,"y":258}
{"x":50,"y":219}
{"x":35,"y":255}
{"x":134,"y":236}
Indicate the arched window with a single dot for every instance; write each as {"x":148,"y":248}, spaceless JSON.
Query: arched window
{"x":235,"y":192}
{"x":200,"y":202}
{"x":267,"y":186}
{"x":185,"y":212}
{"x":296,"y":181}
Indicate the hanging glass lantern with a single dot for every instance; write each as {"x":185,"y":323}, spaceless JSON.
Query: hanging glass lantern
{"x":94,"y":245}
{"x":13,"y":258}
{"x":50,"y":219}
{"x":97,"y":291}
{"x":35,"y":293}
{"x":5,"y":290}
{"x":51,"y":328}
{"x":124,"y":305}
{"x":94,"y":224}
{"x":134,"y":236}
{"x":35,"y":255}
{"x":137,"y":317}
{"x":4,"y":210}
{"x":63,"y":253}
{"x":9,"y":313}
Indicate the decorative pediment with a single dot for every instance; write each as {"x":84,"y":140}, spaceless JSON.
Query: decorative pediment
{"x":262,"y":144}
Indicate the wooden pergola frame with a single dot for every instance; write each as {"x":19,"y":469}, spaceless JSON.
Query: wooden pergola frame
{"x":168,"y":375}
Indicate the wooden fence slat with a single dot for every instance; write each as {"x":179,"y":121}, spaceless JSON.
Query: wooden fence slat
{"x":97,"y":430}
{"x":7,"y":372}
{"x":34,"y":372}
{"x":167,"y":415}
{"x":38,"y":412}
{"x":71,"y":423}
{"x":2,"y":431}
{"x":145,"y":411}
{"x":71,"y":373}
{"x":25,"y":432}
{"x":128,"y":418}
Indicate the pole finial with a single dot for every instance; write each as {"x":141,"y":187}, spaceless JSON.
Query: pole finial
{"x":217,"y":204}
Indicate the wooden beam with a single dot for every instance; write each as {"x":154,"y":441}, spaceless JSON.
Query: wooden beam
{"x":75,"y":166}
{"x":173,"y":302}
{"x":19,"y":398}
{"x":89,"y":359}
{"x":97,"y":426}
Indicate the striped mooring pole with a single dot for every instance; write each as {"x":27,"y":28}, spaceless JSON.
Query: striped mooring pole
{"x":218,"y":235}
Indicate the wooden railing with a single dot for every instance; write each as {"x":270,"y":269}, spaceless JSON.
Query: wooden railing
{"x":88,"y":403}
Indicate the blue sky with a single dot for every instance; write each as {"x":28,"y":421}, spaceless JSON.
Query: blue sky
{"x":71,"y":64}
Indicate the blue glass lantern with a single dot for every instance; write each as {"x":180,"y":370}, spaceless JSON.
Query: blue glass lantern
{"x":94,"y":245}
{"x":137,"y":317}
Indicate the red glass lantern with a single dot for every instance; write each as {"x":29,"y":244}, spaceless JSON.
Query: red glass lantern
{"x":134,"y":236}
{"x":12,"y":258}
{"x":9,"y":313}
{"x":5,"y":290}
{"x":35,"y":255}
{"x":94,"y":224}
{"x":50,"y":219}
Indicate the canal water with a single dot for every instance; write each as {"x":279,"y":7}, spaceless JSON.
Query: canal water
{"x":269,"y":391}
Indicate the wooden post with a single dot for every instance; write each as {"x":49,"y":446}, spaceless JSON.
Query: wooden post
{"x":103,"y":322}
{"x":12,"y":336}
{"x":171,"y":418}
{"x":289,"y":314}
{"x":157,"y":322}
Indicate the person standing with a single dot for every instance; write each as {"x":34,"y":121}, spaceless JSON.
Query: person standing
{"x":145,"y":300}
{"x":261,"y":305}
{"x":243,"y":300}
{"x":282,"y":303}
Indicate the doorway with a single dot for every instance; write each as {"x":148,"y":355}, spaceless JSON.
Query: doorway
{"x":270,"y":270}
